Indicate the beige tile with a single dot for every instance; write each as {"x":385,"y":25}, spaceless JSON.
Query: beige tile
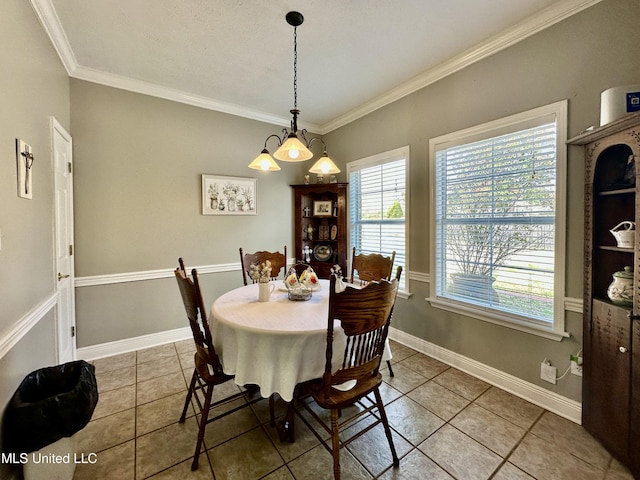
{"x":156,"y":353}
{"x":372,"y":449}
{"x":489,"y":429}
{"x":158,"y":368}
{"x":399,"y":351}
{"x":426,"y":366}
{"x":412,"y":420}
{"x":510,"y":407}
{"x":228,"y":427}
{"x":249,"y":456}
{"x":416,"y":466}
{"x":572,"y":438}
{"x":183,"y":470}
{"x":160,"y":387}
{"x":116,"y":463}
{"x":317,"y":464}
{"x":461,"y":456}
{"x":388,"y":393}
{"x":543,"y":459}
{"x":107,"y":432}
{"x":114,"y":379}
{"x":160,"y":413}
{"x":405,"y":379}
{"x":282,"y":473}
{"x":186,"y":359}
{"x":166,"y":447}
{"x":510,"y":472}
{"x":439,"y":400}
{"x":115,"y":401}
{"x":461,"y":383}
{"x":114,"y":362}
{"x":184,"y":346}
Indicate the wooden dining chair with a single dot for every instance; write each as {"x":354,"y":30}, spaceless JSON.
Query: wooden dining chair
{"x":278,"y":263}
{"x":208,"y":372}
{"x":364,"y":315}
{"x":372,"y":267}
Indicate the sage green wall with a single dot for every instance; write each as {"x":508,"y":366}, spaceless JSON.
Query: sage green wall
{"x":576,"y":59}
{"x":33,"y":86}
{"x":138,"y":166}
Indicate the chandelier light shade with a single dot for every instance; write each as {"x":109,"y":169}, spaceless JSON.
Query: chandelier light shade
{"x":293,"y":150}
{"x":324,"y":166}
{"x":294,"y":146}
{"x":264,"y":162}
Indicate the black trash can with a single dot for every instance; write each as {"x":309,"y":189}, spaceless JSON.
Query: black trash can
{"x":50,"y":403}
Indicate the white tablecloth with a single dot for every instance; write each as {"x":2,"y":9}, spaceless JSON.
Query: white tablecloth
{"x":275,"y":344}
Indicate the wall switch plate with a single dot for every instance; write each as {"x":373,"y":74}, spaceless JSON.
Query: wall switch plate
{"x":548,"y":372}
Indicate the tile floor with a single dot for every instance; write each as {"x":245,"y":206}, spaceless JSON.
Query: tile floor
{"x":446,"y":425}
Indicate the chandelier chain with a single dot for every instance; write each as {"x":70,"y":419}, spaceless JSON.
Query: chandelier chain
{"x":295,"y":68}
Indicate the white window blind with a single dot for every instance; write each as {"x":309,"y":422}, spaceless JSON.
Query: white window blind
{"x":377,"y":206}
{"x":495,"y":212}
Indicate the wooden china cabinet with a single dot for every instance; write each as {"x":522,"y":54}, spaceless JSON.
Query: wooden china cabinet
{"x":611,"y":332}
{"x":320,"y":223}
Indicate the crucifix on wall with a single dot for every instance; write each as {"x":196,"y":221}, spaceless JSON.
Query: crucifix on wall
{"x":24,"y":158}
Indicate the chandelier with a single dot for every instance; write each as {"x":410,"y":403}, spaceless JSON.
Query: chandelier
{"x":294,"y":146}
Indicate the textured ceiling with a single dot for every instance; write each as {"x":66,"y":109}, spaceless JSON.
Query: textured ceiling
{"x":237,"y":55}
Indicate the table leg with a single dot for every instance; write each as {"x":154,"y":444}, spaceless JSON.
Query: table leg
{"x":286,"y":427}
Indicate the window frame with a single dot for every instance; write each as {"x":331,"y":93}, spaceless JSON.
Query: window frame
{"x":513,"y":123}
{"x":372,"y":161}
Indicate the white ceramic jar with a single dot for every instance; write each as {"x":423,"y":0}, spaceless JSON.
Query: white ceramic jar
{"x":620,"y":292}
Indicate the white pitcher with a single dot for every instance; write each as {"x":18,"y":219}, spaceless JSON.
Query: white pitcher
{"x":264,"y":291}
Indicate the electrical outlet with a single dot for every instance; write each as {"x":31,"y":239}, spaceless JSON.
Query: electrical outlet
{"x":548,"y":372}
{"x":576,"y":365}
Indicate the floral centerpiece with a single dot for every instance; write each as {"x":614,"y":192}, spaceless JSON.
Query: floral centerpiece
{"x":260,"y":273}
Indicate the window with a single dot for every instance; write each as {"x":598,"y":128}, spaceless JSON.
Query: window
{"x":498,"y":220}
{"x":378,"y":207}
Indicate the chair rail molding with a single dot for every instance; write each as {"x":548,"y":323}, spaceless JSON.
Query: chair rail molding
{"x":10,"y":337}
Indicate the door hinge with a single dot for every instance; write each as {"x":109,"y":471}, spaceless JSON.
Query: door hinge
{"x":73,"y":331}
{"x":69,"y":168}
{"x":71,"y":250}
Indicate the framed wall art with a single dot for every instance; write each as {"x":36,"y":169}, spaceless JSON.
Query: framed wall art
{"x":322,"y":208}
{"x":228,"y":195}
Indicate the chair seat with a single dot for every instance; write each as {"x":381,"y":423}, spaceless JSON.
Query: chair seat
{"x":342,"y":398}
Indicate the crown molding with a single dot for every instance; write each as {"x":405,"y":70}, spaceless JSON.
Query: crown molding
{"x":550,"y":16}
{"x":543,"y":19}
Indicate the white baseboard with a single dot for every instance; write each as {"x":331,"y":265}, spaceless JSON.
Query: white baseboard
{"x":563,"y":406}
{"x":132,"y":344}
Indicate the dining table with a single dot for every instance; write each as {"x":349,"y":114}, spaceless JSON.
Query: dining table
{"x":274,"y":344}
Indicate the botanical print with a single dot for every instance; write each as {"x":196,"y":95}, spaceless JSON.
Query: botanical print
{"x":228,"y":195}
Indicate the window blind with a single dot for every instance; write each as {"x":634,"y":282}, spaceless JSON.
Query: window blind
{"x":377,"y":209}
{"x":495,"y":217}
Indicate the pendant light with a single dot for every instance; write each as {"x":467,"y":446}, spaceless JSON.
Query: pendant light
{"x":294,"y":146}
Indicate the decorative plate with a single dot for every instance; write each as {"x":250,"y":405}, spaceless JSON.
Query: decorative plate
{"x":334,"y":232}
{"x":322,"y":252}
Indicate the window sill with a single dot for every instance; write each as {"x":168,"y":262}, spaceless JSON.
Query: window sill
{"x":498,"y":319}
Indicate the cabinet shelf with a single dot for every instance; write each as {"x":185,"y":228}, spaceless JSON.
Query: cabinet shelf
{"x":611,"y":333}
{"x":324,"y":229}
{"x":621,"y":191}
{"x":615,"y":249}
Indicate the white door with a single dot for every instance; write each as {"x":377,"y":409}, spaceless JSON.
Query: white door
{"x":63,"y":170}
